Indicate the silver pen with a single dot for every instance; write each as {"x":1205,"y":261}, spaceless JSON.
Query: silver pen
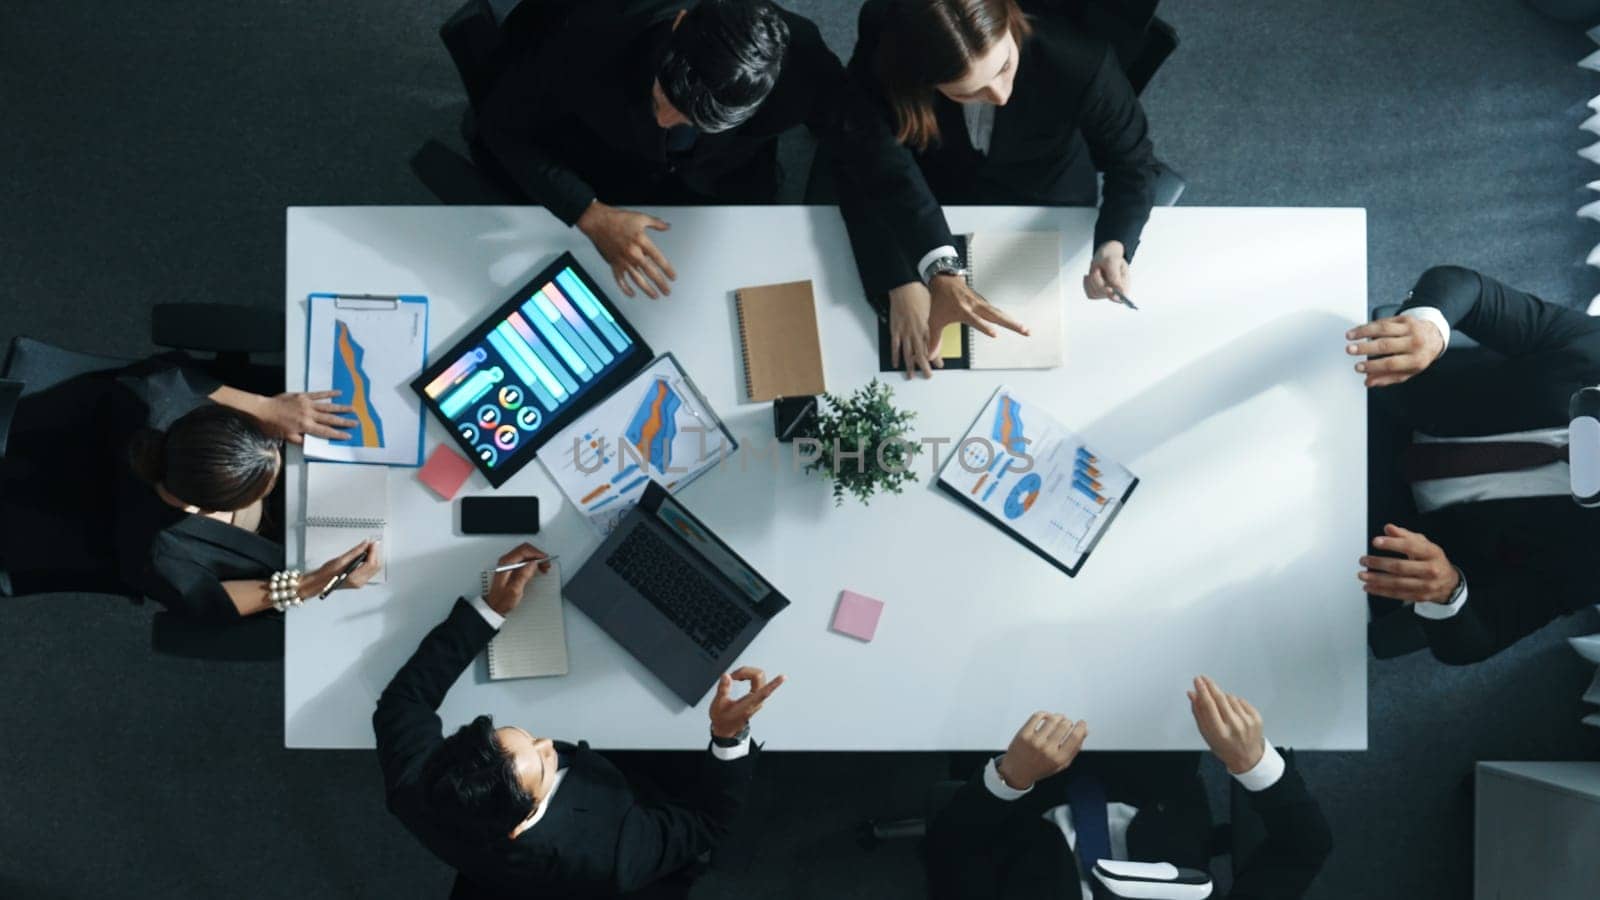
{"x":1122,"y":298}
{"x":551,"y":558}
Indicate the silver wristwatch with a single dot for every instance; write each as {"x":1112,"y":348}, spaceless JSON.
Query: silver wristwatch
{"x":944,"y":265}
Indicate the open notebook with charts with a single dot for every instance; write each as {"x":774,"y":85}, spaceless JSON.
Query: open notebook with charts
{"x":1038,"y":481}
{"x":368,"y":348}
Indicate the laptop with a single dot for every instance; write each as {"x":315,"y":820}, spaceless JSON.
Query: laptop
{"x":674,"y":595}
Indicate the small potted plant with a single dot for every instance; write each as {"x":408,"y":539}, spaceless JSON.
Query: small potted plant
{"x":864,"y":421}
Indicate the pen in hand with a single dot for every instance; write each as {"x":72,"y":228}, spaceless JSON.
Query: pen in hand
{"x":349,"y":569}
{"x":544,"y":559}
{"x":1122,"y":298}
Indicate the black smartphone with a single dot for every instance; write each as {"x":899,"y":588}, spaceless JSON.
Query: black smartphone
{"x":499,"y":515}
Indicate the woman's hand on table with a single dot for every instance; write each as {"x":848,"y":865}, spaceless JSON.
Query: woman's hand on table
{"x":294,"y":415}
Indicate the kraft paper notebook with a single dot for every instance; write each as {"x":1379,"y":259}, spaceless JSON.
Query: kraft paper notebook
{"x":1020,"y":273}
{"x":782,"y":349}
{"x":533,"y":641}
{"x":345,"y":505}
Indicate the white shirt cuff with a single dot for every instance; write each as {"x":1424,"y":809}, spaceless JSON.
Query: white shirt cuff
{"x":494,"y":619}
{"x":931,"y":255}
{"x":998,"y":787}
{"x":1443,"y":610}
{"x":729,"y":754}
{"x":1433,"y":317}
{"x":1265,"y":773}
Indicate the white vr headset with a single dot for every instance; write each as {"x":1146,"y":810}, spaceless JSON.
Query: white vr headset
{"x":1583,"y":446}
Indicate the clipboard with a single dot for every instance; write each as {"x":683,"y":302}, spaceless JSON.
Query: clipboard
{"x":368,"y":347}
{"x":1027,"y":485}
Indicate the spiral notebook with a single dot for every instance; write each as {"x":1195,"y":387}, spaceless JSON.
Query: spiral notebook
{"x":781,"y":346}
{"x":345,"y":505}
{"x":1020,"y":273}
{"x":533,"y":641}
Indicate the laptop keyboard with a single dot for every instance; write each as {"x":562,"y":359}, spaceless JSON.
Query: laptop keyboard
{"x":686,"y":597}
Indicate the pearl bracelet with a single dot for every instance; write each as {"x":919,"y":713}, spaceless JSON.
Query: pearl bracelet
{"x":283,"y":589}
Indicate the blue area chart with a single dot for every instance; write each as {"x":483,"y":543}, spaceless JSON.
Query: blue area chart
{"x":355,"y":389}
{"x":655,"y":424}
{"x":1007,"y":430}
{"x":1022,"y":495}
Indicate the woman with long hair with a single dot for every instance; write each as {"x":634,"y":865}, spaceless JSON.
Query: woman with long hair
{"x":195,"y":467}
{"x":996,"y":102}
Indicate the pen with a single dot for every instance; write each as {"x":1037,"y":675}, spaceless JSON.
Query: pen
{"x":1122,"y":298}
{"x":530,"y":562}
{"x":335,"y":581}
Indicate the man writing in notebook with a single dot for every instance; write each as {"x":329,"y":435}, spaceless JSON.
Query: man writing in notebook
{"x":518,"y":815}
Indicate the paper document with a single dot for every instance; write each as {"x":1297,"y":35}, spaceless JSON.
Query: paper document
{"x":533,"y":641}
{"x":368,"y":351}
{"x":345,"y":505}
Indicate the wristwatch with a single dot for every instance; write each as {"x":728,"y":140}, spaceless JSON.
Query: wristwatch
{"x":944,"y":265}
{"x":736,"y":740}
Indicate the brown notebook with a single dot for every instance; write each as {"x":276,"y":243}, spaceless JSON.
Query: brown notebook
{"x":778,"y":331}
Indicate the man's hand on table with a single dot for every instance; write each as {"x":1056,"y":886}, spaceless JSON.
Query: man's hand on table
{"x":1230,"y":726}
{"x":1425,"y":575}
{"x":729,"y":716}
{"x":1396,"y":349}
{"x":1045,"y":745}
{"x":619,"y":235}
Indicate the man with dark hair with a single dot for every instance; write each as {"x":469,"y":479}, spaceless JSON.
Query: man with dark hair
{"x":679,"y":102}
{"x":526,"y":816}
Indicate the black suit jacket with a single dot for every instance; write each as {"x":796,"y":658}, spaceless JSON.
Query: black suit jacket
{"x":571,"y":120}
{"x":598,"y":838}
{"x":1071,"y":112}
{"x":1529,"y":560}
{"x":982,"y":847}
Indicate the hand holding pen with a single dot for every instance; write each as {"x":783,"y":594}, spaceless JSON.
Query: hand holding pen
{"x":351,"y":569}
{"x":511,"y":576}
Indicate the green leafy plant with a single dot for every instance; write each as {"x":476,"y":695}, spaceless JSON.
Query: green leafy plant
{"x":866,"y":421}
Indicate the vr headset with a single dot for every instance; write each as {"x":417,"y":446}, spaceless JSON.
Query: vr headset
{"x":1152,"y":881}
{"x":1583,"y":446}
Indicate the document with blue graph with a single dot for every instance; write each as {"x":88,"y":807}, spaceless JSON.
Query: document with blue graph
{"x":1037,"y":480}
{"x":656,"y":426}
{"x":368,"y":349}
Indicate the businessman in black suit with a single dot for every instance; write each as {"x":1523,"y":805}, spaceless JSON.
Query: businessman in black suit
{"x":1028,"y":826}
{"x":995,"y":102}
{"x":677,"y":102}
{"x":1495,"y":546}
{"x":523,"y":816}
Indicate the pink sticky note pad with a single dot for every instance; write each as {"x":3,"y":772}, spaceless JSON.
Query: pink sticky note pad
{"x":445,"y":471}
{"x":857,"y":615}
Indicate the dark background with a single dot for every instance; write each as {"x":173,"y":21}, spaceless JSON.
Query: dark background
{"x":150,"y":150}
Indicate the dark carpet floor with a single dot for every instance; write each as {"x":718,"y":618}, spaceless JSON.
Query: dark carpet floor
{"x":153,"y":147}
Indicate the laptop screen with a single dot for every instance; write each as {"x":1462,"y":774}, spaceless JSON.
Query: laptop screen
{"x":712,"y":550}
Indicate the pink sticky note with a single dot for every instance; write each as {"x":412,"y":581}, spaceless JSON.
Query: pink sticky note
{"x":857,"y":615}
{"x":445,"y":471}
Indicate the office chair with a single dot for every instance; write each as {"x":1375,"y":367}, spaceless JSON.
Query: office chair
{"x":1239,"y":838}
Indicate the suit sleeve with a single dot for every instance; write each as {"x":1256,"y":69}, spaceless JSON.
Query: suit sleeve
{"x":889,"y":211}
{"x":1114,"y":125}
{"x":406,"y":721}
{"x":1499,"y":611}
{"x":1298,"y":842}
{"x":187,"y":587}
{"x":523,"y":102}
{"x":971,"y":841}
{"x":1501,"y":318}
{"x":659,"y":839}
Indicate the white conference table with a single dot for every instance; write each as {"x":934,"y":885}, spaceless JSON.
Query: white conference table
{"x":1228,"y":393}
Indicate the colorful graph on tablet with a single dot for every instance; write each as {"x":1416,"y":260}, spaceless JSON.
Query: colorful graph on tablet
{"x":534,"y":363}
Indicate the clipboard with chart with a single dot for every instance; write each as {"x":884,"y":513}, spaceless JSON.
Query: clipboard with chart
{"x":1037,"y":480}
{"x":368,"y":348}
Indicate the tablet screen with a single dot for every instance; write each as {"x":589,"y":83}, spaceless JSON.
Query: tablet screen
{"x":551,"y":351}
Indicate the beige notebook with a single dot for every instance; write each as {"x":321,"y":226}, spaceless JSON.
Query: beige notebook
{"x":1019,"y":272}
{"x":782,"y":350}
{"x":533,"y":641}
{"x":345,"y":505}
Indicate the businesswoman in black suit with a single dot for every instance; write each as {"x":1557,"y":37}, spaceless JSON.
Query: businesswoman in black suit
{"x":194,"y":463}
{"x":997,"y":102}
